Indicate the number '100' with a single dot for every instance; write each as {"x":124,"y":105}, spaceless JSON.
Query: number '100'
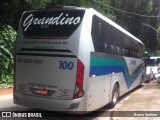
{"x":66,"y":65}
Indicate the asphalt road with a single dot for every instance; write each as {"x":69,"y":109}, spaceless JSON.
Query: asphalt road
{"x":135,"y":105}
{"x":141,"y":104}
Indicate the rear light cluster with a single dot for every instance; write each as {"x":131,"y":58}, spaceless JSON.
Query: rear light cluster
{"x":79,"y":92}
{"x":14,"y":72}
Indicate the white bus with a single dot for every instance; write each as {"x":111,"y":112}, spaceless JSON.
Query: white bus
{"x":152,"y":67}
{"x":74,"y":59}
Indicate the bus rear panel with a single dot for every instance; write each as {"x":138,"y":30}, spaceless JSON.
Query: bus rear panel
{"x":48,"y":73}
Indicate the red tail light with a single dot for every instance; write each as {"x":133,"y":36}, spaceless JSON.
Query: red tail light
{"x":14,"y":72}
{"x":79,"y":92}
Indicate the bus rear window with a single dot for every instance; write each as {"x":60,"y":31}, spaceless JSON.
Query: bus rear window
{"x":51,"y":23}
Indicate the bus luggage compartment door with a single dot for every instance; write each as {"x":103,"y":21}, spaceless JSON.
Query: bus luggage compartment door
{"x":53,"y":77}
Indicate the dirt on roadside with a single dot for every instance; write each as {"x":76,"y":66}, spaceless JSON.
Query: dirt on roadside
{"x":6,"y":91}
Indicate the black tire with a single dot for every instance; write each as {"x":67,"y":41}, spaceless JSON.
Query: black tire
{"x":141,"y":81}
{"x":115,"y":96}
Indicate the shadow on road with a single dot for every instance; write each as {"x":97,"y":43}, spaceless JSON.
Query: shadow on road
{"x":50,"y":115}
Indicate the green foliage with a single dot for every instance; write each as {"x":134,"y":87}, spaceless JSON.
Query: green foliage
{"x":133,"y":22}
{"x":106,"y":11}
{"x":157,"y":53}
{"x":151,"y":38}
{"x":81,"y":3}
{"x":8,"y":10}
{"x":35,"y":4}
{"x":7,"y":46}
{"x":158,"y":36}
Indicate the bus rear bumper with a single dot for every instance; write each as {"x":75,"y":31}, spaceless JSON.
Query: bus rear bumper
{"x":50,"y":104}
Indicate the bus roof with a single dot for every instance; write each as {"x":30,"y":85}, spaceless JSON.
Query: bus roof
{"x":108,"y":21}
{"x":154,"y":57}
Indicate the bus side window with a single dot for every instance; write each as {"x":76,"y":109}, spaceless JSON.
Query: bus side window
{"x":158,"y":61}
{"x":97,"y":34}
{"x":132,"y":53}
{"x":101,"y":47}
{"x":138,"y":54}
{"x":123,"y":51}
{"x":120,"y":51}
{"x":126,"y":52}
{"x":100,"y":30}
{"x":111,"y":49}
{"x":117,"y":50}
{"x":106,"y":46}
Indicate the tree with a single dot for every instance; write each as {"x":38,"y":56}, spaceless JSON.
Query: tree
{"x":8,"y":10}
{"x":152,"y":38}
{"x":7,"y":45}
{"x":132,"y":22}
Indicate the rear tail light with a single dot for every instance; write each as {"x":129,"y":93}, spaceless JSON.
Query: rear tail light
{"x":14,"y":72}
{"x":79,"y":92}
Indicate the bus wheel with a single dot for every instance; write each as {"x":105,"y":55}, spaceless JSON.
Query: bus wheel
{"x":115,"y":96}
{"x":142,"y":80}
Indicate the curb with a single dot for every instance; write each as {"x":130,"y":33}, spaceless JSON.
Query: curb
{"x":6,"y":91}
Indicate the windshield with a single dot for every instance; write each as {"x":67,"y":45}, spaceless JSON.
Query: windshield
{"x":51,"y":23}
{"x":153,"y":62}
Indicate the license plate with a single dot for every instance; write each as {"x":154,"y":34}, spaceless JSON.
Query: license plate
{"x":41,"y":92}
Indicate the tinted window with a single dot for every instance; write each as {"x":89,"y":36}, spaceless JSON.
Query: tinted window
{"x":158,"y":60}
{"x":153,"y":62}
{"x":98,"y":36}
{"x":108,"y":39}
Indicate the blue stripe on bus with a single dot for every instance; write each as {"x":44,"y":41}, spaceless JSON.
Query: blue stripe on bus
{"x":103,"y":70}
